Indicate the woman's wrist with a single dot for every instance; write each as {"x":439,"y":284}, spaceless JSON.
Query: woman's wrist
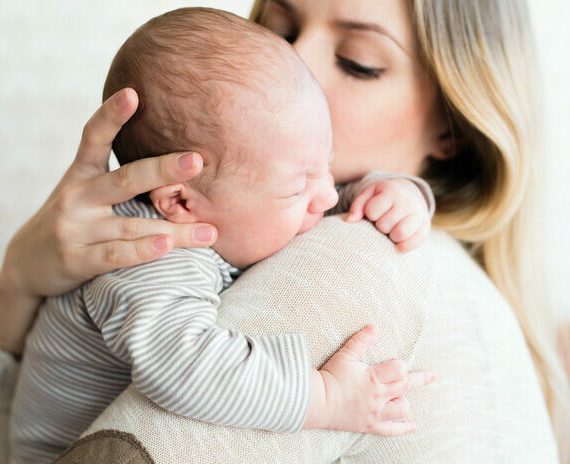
{"x":17,"y":311}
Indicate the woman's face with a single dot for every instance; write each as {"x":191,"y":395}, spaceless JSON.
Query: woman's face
{"x":385,"y":109}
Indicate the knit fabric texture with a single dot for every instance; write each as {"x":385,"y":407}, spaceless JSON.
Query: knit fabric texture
{"x":433,"y":307}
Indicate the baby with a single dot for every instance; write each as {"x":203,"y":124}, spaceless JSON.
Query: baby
{"x":219,"y":85}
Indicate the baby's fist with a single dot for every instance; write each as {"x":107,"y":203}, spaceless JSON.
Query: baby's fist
{"x":397,"y":208}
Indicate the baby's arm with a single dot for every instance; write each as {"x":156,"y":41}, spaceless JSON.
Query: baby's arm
{"x":160,"y":318}
{"x":399,"y":205}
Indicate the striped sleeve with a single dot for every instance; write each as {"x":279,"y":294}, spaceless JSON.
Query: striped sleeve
{"x":348,"y":192}
{"x":160,"y":318}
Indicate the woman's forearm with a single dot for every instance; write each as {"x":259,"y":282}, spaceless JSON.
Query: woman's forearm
{"x":17,"y":312}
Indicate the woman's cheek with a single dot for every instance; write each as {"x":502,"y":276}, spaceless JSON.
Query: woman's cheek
{"x":351,"y":134}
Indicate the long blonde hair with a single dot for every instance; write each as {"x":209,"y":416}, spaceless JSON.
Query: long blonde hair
{"x":481,"y":54}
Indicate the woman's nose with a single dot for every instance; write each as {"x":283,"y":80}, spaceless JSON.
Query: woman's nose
{"x":312,"y":50}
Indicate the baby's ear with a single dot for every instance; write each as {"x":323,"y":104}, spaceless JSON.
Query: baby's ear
{"x":175,"y":203}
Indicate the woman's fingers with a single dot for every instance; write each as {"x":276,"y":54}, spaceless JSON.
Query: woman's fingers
{"x":99,"y":132}
{"x":131,"y":228}
{"x":142,"y":176}
{"x":108,"y":256}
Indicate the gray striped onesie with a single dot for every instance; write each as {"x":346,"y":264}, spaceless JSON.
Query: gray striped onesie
{"x":153,"y":325}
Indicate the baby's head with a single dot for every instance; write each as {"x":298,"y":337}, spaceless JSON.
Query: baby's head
{"x":211,"y":82}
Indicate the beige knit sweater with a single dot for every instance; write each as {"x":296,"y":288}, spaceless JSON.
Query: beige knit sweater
{"x":433,"y":307}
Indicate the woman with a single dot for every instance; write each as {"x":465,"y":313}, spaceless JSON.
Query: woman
{"x":441,"y":89}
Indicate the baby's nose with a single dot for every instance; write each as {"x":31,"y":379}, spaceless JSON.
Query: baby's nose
{"x":325,"y":200}
{"x":332,"y":197}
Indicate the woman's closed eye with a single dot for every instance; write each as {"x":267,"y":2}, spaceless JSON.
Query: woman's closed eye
{"x":277,"y":19}
{"x":358,"y":70}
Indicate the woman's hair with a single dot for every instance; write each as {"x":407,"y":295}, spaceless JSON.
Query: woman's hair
{"x":481,"y":55}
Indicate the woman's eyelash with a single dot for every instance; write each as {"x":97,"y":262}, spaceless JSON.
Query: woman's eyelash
{"x":357,"y":70}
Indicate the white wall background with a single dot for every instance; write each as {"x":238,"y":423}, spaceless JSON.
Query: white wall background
{"x":54,"y":56}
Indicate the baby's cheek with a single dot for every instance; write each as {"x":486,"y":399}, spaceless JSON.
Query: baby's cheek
{"x":311,"y":220}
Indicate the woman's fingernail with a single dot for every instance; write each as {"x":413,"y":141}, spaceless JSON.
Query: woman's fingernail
{"x":161,"y":243}
{"x":204,"y":234}
{"x":186,"y":161}
{"x":121,"y":99}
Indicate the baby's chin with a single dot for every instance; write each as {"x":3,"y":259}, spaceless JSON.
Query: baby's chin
{"x":310,"y":221}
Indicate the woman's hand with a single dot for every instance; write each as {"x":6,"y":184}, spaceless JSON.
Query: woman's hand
{"x":75,"y":236}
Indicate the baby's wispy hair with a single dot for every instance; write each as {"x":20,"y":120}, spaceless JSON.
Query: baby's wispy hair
{"x":190,"y":68}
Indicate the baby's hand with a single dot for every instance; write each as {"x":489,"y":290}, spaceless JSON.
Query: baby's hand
{"x":356,"y":397}
{"x":397,"y":208}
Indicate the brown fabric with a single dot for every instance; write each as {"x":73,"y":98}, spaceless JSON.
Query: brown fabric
{"x":108,"y":446}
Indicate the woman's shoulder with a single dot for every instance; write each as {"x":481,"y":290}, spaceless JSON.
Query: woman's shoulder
{"x":338,"y":240}
{"x":348,"y":275}
{"x":350,"y":247}
{"x":345,"y":276}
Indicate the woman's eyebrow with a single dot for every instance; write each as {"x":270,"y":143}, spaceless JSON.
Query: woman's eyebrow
{"x":360,"y":26}
{"x":285,"y":4}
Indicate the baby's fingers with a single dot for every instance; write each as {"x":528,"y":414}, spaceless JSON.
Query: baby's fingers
{"x":394,"y":428}
{"x":378,"y":206}
{"x":389,"y":220}
{"x":407,"y":227}
{"x":412,"y":381}
{"x":396,"y":409}
{"x":358,"y":344}
{"x":415,"y":240}
{"x":418,"y":379}
{"x":390,"y":371}
{"x":356,"y":212}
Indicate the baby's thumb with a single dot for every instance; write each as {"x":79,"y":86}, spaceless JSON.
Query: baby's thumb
{"x":356,"y":212}
{"x":358,"y":344}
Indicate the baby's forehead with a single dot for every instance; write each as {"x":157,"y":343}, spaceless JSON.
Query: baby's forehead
{"x":266,"y":121}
